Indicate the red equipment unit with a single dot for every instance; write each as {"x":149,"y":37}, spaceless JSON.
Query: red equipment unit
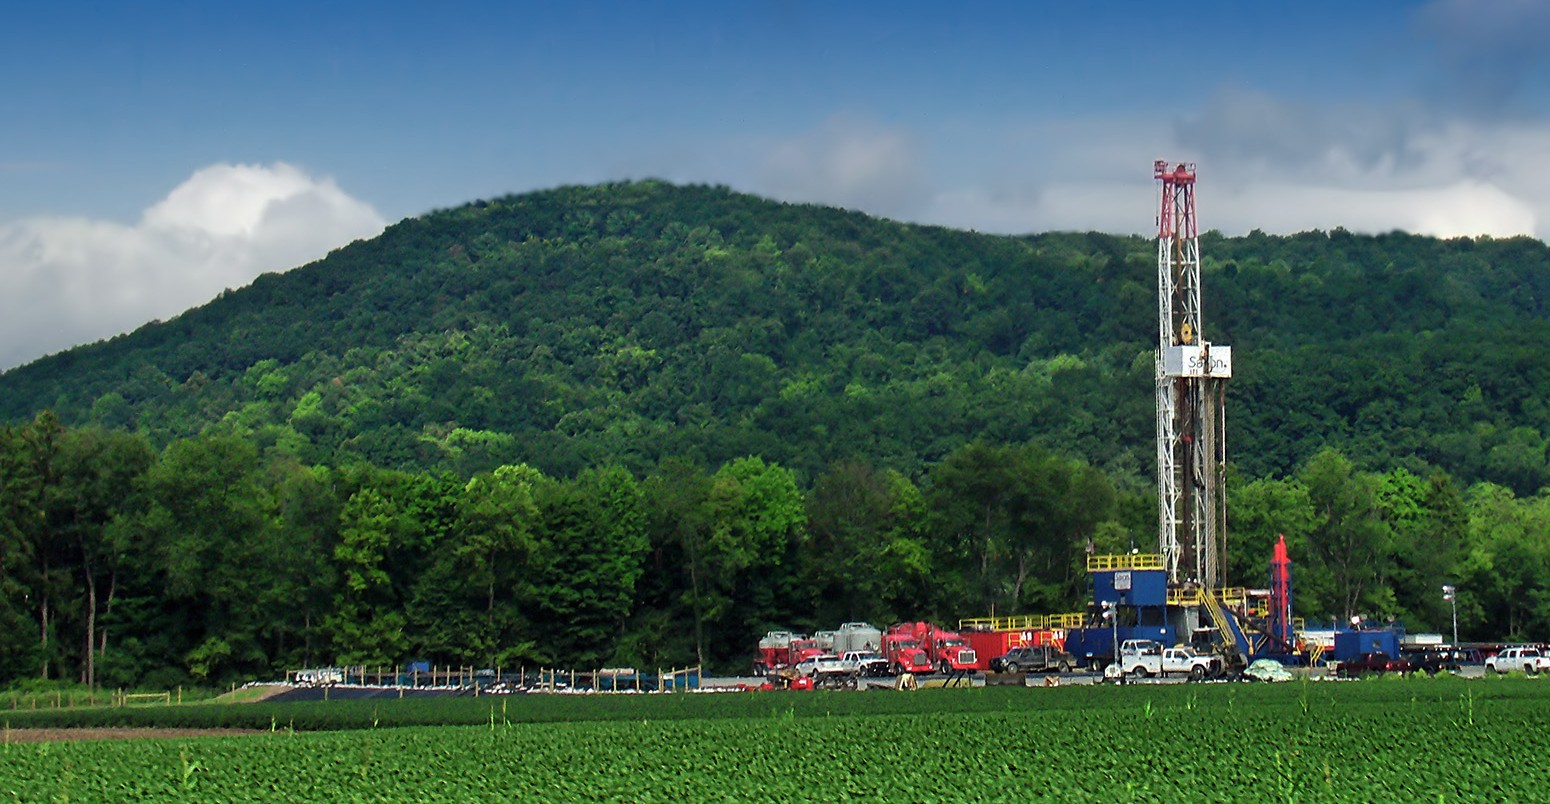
{"x":947,"y":651}
{"x":781,"y":649}
{"x":904,"y":652}
{"x":1280,"y":619}
{"x":989,"y":645}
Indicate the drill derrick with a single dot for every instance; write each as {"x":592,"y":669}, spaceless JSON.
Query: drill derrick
{"x":1191,"y":381}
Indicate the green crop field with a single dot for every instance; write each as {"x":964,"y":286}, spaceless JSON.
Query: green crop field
{"x":1409,"y":740}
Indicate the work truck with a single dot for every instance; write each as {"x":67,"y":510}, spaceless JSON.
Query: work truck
{"x":843,"y":670}
{"x":1141,"y":658}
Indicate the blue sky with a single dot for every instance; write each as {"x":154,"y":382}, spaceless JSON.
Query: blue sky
{"x":151,"y":155}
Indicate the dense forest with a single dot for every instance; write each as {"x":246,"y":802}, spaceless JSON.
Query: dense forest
{"x":641,"y":423}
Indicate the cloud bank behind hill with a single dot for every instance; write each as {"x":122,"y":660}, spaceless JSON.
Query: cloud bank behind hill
{"x":66,"y":281}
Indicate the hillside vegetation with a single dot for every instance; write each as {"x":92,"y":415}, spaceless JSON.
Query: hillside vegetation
{"x":642,"y":422}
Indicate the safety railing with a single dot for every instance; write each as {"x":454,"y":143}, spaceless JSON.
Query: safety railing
{"x":1073,"y":620}
{"x":1125,"y":561}
{"x":1022,"y":622}
{"x":1233,"y":595}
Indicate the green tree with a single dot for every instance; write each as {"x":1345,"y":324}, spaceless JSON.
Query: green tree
{"x":678,"y":520}
{"x":758,"y":521}
{"x":210,"y":521}
{"x":866,"y":559}
{"x":367,"y":626}
{"x":1259,"y":512}
{"x":1017,"y":519}
{"x":1350,"y":539}
{"x":598,"y":542}
{"x":100,"y":475}
{"x":1508,"y":548}
{"x":1429,"y":524}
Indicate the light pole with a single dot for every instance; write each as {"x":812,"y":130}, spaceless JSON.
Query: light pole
{"x":1449,"y":594}
{"x":1111,"y":613}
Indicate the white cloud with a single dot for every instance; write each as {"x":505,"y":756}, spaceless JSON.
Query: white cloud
{"x":1280,"y":167}
{"x":67,"y":281}
{"x":849,"y":162}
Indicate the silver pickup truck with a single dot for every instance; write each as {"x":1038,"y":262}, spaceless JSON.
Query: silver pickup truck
{"x":1529,"y":660}
{"x":852,"y":663}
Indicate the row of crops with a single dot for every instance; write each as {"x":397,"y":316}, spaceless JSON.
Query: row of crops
{"x":1414,"y":739}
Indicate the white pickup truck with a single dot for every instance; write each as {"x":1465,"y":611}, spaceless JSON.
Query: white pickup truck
{"x":851,"y":663}
{"x":1529,"y":660}
{"x":1146,"y":657}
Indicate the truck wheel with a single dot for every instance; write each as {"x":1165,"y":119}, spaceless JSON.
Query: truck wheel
{"x":1011,"y":667}
{"x":943,"y":667}
{"x":1065,"y":667}
{"x":1197,"y":673}
{"x":1528,"y":669}
{"x":1095,"y":665}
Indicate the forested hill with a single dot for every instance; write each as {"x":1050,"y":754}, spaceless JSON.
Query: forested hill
{"x":628,"y":323}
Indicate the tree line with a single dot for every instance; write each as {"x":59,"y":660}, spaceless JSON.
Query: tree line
{"x":214,"y":559}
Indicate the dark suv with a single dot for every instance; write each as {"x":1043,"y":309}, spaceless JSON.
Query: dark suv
{"x":1377,"y":663}
{"x":1432,"y":661}
{"x":1034,"y":658}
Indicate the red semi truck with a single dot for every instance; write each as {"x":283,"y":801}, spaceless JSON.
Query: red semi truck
{"x":948,"y":649}
{"x":904,"y":652}
{"x":925,"y":648}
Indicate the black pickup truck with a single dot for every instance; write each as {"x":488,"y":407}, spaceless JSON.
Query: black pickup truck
{"x":1032,"y":659}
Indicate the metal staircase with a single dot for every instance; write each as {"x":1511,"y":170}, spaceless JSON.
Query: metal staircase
{"x":1227,"y":625}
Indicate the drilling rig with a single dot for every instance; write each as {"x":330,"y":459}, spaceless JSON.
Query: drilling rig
{"x":1180,"y":592}
{"x":1192,"y":377}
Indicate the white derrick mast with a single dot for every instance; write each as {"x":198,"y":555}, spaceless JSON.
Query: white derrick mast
{"x":1191,"y":378}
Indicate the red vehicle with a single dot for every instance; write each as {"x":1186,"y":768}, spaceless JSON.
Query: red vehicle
{"x":945,"y":651}
{"x":948,"y":649}
{"x":1375,"y":663}
{"x":903,"y":651}
{"x":781,"y":649}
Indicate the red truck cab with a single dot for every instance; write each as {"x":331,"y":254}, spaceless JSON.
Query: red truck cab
{"x":904,"y":653}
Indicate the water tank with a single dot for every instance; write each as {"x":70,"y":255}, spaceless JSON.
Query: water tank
{"x":857,"y":636}
{"x":777,"y":640}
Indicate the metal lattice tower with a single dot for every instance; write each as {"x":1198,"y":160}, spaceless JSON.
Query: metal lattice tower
{"x":1191,"y":379}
